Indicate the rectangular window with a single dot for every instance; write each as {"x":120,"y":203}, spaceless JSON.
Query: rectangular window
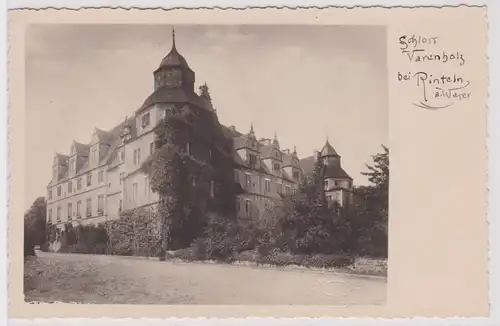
{"x":89,"y":179}
{"x":145,"y":120}
{"x":58,"y":190}
{"x":338,"y":183}
{"x":248,"y":181}
{"x":212,"y":189}
{"x":296,"y":175}
{"x":252,"y":160}
{"x":151,"y":148}
{"x":79,"y":184}
{"x":267,"y":185}
{"x":134,"y":193}
{"x":137,"y":156}
{"x":50,"y":215}
{"x":248,"y":207}
{"x":89,"y":206}
{"x":122,"y":175}
{"x":326,"y":183}
{"x":70,"y":187}
{"x":276,"y":167}
{"x":58,"y":214}
{"x":50,"y":194}
{"x":79,"y":209}
{"x":146,"y":185}
{"x":122,"y":155}
{"x":70,"y":211}
{"x":100,"y":204}
{"x":279,"y":185}
{"x":100,"y":177}
{"x":120,"y":207}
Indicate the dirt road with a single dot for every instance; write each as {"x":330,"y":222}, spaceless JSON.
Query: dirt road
{"x":125,"y":280}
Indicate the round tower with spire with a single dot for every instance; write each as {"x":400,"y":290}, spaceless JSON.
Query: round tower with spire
{"x":329,"y":155}
{"x":174,"y":70}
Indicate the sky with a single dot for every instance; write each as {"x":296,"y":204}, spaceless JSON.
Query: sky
{"x":303,"y":83}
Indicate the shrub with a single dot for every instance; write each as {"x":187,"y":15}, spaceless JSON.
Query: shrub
{"x":136,"y":233}
{"x":84,"y":239}
{"x":186,"y":254}
{"x":220,"y":240}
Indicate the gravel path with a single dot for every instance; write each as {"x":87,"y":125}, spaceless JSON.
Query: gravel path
{"x":124,"y":280}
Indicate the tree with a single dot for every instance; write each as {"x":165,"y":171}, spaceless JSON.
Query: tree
{"x":371,"y":220}
{"x":35,"y":225}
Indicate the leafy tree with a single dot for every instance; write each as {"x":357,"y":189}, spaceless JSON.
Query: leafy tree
{"x":370,"y":223}
{"x":35,"y":225}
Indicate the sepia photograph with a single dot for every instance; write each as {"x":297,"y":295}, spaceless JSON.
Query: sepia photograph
{"x":206,"y":164}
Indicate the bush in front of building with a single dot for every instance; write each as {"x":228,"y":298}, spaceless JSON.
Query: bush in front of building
{"x":136,"y":233}
{"x":220,"y":240}
{"x":84,"y":239}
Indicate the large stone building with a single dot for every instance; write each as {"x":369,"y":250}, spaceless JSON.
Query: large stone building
{"x":98,"y":180}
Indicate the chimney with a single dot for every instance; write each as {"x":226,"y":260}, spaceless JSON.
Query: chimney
{"x":316,"y":155}
{"x":232,"y":128}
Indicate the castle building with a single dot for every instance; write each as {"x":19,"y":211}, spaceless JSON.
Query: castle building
{"x":98,"y":180}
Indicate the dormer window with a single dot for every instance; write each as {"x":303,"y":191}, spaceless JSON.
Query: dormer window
{"x":145,"y":120}
{"x":94,"y":155}
{"x":276,"y":167}
{"x":252,"y":160}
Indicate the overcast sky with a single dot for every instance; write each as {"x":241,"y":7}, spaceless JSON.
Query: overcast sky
{"x":304,"y":83}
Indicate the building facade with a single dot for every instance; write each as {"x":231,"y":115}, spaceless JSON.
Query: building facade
{"x":98,"y":180}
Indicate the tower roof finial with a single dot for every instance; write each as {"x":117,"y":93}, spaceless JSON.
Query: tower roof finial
{"x":173,"y":37}
{"x":251,"y":128}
